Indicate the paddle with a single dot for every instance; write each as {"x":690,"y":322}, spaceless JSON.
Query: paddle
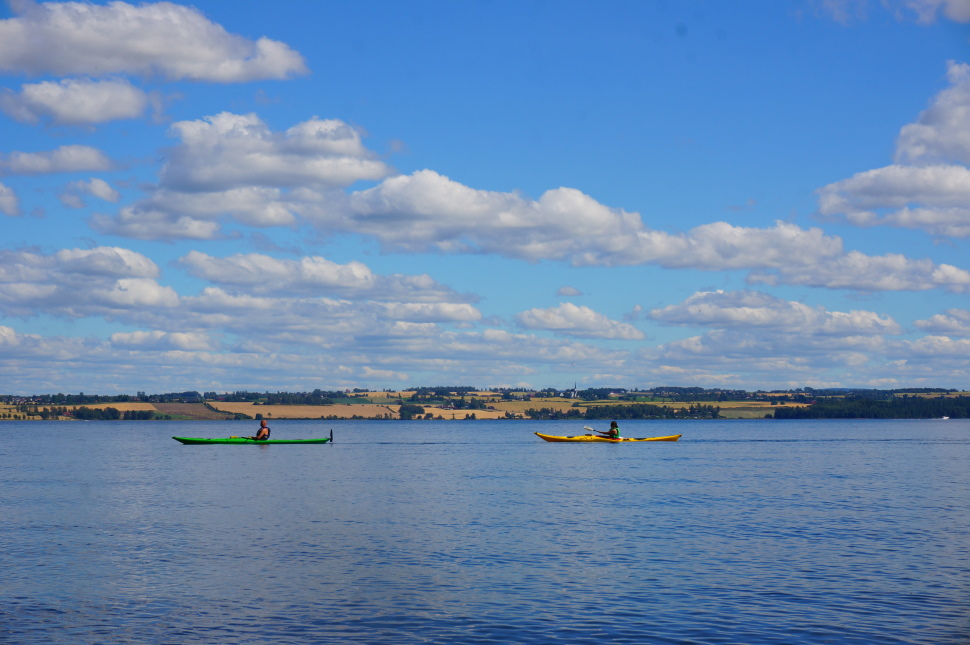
{"x":603,"y":434}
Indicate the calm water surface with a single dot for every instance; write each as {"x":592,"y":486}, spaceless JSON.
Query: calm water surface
{"x":479,"y":532}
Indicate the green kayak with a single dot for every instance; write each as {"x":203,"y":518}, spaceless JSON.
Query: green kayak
{"x":241,"y":440}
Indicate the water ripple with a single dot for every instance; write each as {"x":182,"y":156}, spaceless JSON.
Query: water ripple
{"x":740,"y":533}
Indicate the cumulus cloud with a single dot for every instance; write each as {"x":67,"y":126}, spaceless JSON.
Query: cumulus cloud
{"x":71,"y":158}
{"x":229,"y":151}
{"x":489,"y":356}
{"x":233,"y":167}
{"x":928,"y":188}
{"x":279,"y":302}
{"x":427,"y":211}
{"x":173,"y":41}
{"x":942,"y":131}
{"x":260,"y":274}
{"x":146,"y":224}
{"x":172,"y":215}
{"x":430,"y":312}
{"x":72,"y":195}
{"x":772,"y":341}
{"x":860,"y":272}
{"x":934,"y":198}
{"x":581,"y":322}
{"x":938,"y":348}
{"x":75,"y":102}
{"x":774,"y":358}
{"x":9,"y":204}
{"x":106,"y":261}
{"x":758,"y":310}
{"x":160,"y":340}
{"x":79,"y":282}
{"x":954,"y":322}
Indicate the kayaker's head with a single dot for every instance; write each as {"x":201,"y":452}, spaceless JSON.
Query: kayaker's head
{"x":613,"y":424}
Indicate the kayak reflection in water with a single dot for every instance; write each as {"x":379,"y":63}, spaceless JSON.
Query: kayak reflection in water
{"x":263,"y":433}
{"x":613,"y":432}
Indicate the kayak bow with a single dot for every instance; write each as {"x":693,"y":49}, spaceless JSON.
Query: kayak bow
{"x":592,"y":438}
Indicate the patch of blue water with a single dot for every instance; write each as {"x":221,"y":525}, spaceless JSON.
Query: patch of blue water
{"x":479,"y":532}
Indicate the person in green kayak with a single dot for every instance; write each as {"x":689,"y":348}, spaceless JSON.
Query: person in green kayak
{"x":613,"y":432}
{"x":263,"y":433}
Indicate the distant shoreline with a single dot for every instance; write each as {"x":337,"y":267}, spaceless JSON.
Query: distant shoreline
{"x":473,"y":405}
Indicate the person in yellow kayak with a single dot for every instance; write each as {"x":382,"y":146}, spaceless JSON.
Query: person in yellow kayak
{"x":612,"y":433}
{"x":263,"y":433}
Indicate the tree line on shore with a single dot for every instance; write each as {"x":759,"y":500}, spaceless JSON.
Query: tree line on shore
{"x":910,"y":407}
{"x":909,"y":403}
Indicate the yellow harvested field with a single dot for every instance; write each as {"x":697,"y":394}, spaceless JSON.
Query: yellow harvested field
{"x":347,"y":411}
{"x":520,"y":407}
{"x":339,"y":410}
{"x":448,"y":415}
{"x":729,"y":409}
{"x":121,"y":407}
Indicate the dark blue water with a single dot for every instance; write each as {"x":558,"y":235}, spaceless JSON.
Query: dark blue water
{"x":479,"y":532}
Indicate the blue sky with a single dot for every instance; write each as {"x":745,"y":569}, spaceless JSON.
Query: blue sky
{"x":225,"y":196}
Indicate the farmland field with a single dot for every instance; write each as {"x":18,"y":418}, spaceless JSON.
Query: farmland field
{"x":388,"y":407}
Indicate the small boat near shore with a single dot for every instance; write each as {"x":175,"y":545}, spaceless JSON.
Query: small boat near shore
{"x":246,"y":440}
{"x":592,"y":438}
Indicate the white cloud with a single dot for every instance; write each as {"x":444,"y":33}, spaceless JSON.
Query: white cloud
{"x":171,"y":215}
{"x":923,"y":11}
{"x":426,"y":211}
{"x":430,"y":312}
{"x":160,"y":340}
{"x":756,"y":310}
{"x":935,"y":194}
{"x":938,"y":348}
{"x":573,"y":320}
{"x":72,"y":194}
{"x":757,"y":338}
{"x":927,"y":10}
{"x":860,"y":272}
{"x":162,"y":38}
{"x":955,"y":322}
{"x":71,"y":158}
{"x":161,"y":358}
{"x":229,"y":151}
{"x":135,"y":223}
{"x":74,"y":283}
{"x":9,"y":204}
{"x":75,"y":102}
{"x":234,"y":167}
{"x":109,"y":261}
{"x":771,"y":357}
{"x":943,"y":190}
{"x":942,"y":132}
{"x":568,"y":291}
{"x":261,"y":274}
{"x":429,"y":212}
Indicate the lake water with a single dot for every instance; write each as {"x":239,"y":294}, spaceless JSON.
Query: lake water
{"x":479,"y":532}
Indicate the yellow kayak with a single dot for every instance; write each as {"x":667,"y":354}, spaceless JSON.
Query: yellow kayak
{"x":599,"y":438}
